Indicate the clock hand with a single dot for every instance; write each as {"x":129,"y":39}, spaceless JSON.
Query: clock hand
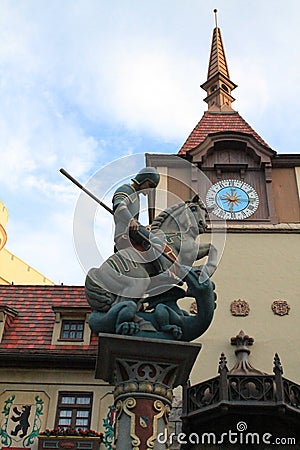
{"x":237,"y":200}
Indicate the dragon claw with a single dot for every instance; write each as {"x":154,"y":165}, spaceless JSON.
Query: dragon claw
{"x":128,"y":328}
{"x":175,"y":330}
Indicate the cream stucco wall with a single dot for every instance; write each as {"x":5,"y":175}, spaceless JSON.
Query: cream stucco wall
{"x":258,"y":268}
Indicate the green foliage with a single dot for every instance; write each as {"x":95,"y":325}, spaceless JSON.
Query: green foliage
{"x":108,"y":424}
{"x":6,"y":440}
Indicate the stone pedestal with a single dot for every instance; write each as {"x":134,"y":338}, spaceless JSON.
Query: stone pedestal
{"x":144,"y":373}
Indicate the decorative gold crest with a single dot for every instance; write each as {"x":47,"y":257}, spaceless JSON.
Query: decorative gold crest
{"x":280,"y":307}
{"x":239,"y":308}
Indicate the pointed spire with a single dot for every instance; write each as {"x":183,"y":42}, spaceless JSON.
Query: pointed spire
{"x":223,"y":363}
{"x":217,"y":60}
{"x":277,"y":365}
{"x":218,"y":85}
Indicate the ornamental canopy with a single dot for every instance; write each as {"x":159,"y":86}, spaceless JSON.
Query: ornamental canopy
{"x":243,"y":401}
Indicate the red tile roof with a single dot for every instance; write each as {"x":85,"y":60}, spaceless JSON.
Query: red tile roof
{"x":212,"y":122}
{"x":30,"y":331}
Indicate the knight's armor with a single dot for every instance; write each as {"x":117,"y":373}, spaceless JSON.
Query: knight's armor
{"x":126,"y":203}
{"x":147,"y":174}
{"x":126,"y":206}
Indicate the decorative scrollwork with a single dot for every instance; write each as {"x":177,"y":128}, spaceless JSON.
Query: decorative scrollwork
{"x":291,"y":393}
{"x":204,"y":394}
{"x":163,"y":411}
{"x":108,"y":424}
{"x":137,"y":370}
{"x":29,"y":440}
{"x":5,"y":438}
{"x":129,"y":404}
{"x":251,"y":388}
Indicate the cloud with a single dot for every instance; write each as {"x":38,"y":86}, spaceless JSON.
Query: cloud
{"x":148,"y":94}
{"x":83,"y":83}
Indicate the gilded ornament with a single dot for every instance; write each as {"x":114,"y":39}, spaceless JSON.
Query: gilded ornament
{"x":169,"y":395}
{"x":239,"y":308}
{"x":130,"y":387}
{"x":130,"y":402}
{"x":280,"y":307}
{"x":163,"y":411}
{"x":146,"y":387}
{"x":118,"y":391}
{"x":160,"y":390}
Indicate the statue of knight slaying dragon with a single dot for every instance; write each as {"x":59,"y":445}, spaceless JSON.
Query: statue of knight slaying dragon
{"x":135,"y":291}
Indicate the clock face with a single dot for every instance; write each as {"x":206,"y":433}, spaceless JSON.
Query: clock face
{"x":232,"y":199}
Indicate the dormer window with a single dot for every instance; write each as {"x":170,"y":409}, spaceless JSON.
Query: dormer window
{"x":71,"y":326}
{"x":72,"y":330}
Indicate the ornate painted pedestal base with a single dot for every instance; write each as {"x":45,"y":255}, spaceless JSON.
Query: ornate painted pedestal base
{"x":68,"y":443}
{"x":144,"y":372}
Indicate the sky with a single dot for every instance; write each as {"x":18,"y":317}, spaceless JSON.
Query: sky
{"x":93,"y":85}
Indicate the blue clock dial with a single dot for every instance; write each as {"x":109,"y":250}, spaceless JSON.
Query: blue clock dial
{"x":232,"y":199}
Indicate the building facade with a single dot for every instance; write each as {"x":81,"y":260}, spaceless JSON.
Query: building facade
{"x":48,"y":355}
{"x":47,"y":368}
{"x":252,"y":195}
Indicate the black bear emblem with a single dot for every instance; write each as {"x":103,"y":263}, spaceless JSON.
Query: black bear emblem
{"x":21,"y":417}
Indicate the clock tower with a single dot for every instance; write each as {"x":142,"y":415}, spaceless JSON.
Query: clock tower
{"x":246,"y":181}
{"x":252,"y":196}
{"x":232,"y":199}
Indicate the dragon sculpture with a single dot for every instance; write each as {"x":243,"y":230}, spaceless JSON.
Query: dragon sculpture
{"x":126,"y":300}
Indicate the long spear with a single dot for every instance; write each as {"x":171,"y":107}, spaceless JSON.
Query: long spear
{"x":66,"y":174}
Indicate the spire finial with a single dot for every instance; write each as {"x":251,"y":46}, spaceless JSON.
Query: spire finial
{"x":216,"y":17}
{"x":243,"y":367}
{"x":218,"y":85}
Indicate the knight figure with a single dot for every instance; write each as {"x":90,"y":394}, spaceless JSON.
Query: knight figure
{"x":135,"y":291}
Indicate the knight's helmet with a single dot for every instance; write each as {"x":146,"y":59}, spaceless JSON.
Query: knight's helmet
{"x":147,"y":174}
